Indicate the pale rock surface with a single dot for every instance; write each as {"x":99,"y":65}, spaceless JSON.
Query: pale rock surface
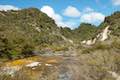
{"x":114,"y":75}
{"x":89,"y":42}
{"x":38,"y":29}
{"x":10,"y":70}
{"x":83,"y":42}
{"x":48,"y":64}
{"x":101,"y":36}
{"x":104,"y":34}
{"x":33,"y":64}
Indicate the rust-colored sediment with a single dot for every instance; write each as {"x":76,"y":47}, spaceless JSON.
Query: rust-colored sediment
{"x":22,"y":62}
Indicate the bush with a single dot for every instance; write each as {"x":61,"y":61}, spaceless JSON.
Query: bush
{"x":98,"y":46}
{"x":27,"y":50}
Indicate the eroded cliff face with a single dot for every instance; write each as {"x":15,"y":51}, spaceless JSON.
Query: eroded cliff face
{"x":114,"y":75}
{"x":99,"y":37}
{"x":110,"y":28}
{"x":104,"y":34}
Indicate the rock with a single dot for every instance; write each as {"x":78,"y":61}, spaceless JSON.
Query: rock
{"x":10,"y":70}
{"x":83,"y":42}
{"x":48,"y":64}
{"x":100,"y":37}
{"x":114,"y":75}
{"x":38,"y":29}
{"x":34,"y":64}
{"x":104,"y":34}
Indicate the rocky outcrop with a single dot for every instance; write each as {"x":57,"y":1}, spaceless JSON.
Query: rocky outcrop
{"x":89,"y":42}
{"x":114,"y":75}
{"x":38,"y":29}
{"x":104,"y":34}
{"x":33,"y":64}
{"x":100,"y":37}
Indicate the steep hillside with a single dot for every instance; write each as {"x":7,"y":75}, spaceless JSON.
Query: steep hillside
{"x":102,"y":53}
{"x":114,"y":22}
{"x":26,"y":30}
{"x":23,"y":32}
{"x":85,"y":31}
{"x":87,"y":52}
{"x":108,"y":31}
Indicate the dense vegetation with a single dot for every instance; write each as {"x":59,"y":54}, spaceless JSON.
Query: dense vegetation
{"x":85,"y":31}
{"x":114,"y":22}
{"x":26,"y":31}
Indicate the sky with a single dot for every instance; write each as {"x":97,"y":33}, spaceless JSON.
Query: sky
{"x":68,"y":13}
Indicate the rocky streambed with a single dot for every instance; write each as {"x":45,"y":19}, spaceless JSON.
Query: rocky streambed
{"x":57,"y":67}
{"x":43,"y":68}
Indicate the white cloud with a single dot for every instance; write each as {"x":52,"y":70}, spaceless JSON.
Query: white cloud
{"x":71,"y":11}
{"x":88,"y":15}
{"x":58,"y":18}
{"x":8,"y":7}
{"x":93,"y":17}
{"x":51,"y":13}
{"x":116,"y":2}
{"x":88,"y":9}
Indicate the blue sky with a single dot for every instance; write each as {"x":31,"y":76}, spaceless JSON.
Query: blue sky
{"x":68,"y":12}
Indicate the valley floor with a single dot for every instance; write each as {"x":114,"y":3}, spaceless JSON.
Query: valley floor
{"x":43,"y":68}
{"x":59,"y":67}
